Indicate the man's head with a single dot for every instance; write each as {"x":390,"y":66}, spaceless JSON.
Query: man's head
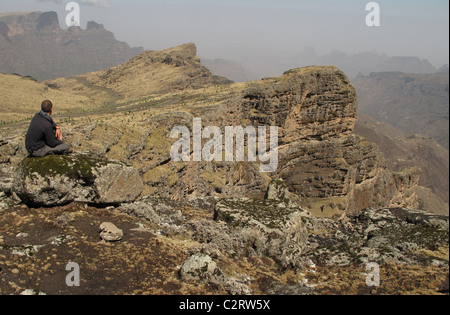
{"x":47,"y":107}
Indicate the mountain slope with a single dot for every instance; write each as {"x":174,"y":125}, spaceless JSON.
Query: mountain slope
{"x":413,"y":103}
{"x":173,"y":69}
{"x":279,"y":246}
{"x":33,"y":44}
{"x":135,"y":105}
{"x":21,"y":98}
{"x":402,"y":151}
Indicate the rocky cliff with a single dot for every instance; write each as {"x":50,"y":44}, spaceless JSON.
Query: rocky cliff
{"x":321,"y":158}
{"x":34,"y":44}
{"x":315,"y":108}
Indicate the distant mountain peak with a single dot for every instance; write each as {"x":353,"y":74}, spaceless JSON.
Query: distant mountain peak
{"x":48,"y":20}
{"x":91,"y":25}
{"x":443,"y":69}
{"x":34,"y":44}
{"x":4,"y":29}
{"x":177,"y":56}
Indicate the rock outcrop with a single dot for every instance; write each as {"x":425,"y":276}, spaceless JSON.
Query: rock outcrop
{"x":313,"y":103}
{"x":403,"y":151}
{"x":165,"y":250}
{"x":170,"y":70}
{"x":273,"y":229}
{"x":59,"y":180}
{"x":386,"y":236}
{"x":293,"y":237}
{"x":47,"y":21}
{"x":320,"y":157}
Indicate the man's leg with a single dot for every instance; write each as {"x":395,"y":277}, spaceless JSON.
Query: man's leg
{"x":46,"y":150}
{"x":41,"y":152}
{"x":63,"y":148}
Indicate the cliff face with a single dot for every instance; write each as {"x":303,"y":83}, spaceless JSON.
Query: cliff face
{"x":314,"y":103}
{"x":34,"y":44}
{"x":47,"y":21}
{"x":322,"y":161}
{"x":4,"y":29}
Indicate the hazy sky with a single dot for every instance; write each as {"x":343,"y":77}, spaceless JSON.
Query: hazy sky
{"x":239,"y":29}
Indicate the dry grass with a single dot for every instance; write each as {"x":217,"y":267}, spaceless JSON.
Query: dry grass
{"x":21,"y":98}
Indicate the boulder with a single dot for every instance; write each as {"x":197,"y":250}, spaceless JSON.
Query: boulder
{"x":110,"y":233}
{"x":198,"y":267}
{"x":269,"y":227}
{"x":58,"y":180}
{"x":201,"y":267}
{"x":277,"y":190}
{"x":387,"y":236}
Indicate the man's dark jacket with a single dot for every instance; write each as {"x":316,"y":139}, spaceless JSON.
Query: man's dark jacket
{"x":40,"y":133}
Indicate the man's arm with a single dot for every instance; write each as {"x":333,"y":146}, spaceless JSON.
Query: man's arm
{"x":58,"y":134}
{"x":50,"y":138}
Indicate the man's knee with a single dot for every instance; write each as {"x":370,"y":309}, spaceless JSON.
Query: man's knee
{"x":46,"y":150}
{"x":62,"y":148}
{"x":39,"y":153}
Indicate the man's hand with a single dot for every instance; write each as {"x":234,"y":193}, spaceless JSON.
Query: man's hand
{"x":58,"y":134}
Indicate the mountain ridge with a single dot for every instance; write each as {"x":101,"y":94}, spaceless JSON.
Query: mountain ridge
{"x":34,"y":44}
{"x":273,"y":64}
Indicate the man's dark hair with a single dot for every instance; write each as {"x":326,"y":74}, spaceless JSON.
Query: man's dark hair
{"x":46,"y":106}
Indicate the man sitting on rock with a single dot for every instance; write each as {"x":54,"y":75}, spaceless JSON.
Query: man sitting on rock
{"x":44,"y":137}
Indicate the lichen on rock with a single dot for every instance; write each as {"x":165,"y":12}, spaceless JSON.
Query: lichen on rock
{"x":275,"y":229}
{"x":60,"y":179}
